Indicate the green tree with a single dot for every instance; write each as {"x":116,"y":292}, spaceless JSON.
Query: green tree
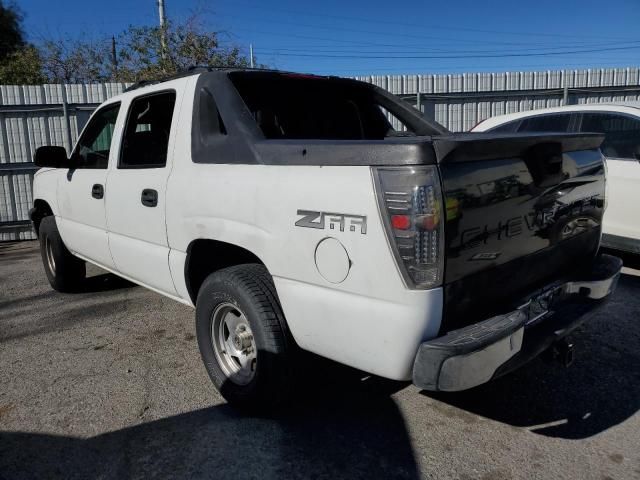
{"x":149,"y":53}
{"x":75,"y":61}
{"x":11,"y":36}
{"x":20,"y":62}
{"x":22,"y":67}
{"x":143,"y":53}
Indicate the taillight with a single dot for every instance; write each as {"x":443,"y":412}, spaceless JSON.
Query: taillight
{"x":410,"y":201}
{"x":606,"y":183}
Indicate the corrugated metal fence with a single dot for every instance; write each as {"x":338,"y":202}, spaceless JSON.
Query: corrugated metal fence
{"x":31,"y":116}
{"x":460,"y":101}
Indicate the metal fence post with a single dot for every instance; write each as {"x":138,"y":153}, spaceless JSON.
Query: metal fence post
{"x":67,"y":120}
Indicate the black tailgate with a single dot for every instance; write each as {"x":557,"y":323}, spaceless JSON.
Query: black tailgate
{"x":522,"y":210}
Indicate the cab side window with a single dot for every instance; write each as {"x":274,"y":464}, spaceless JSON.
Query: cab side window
{"x":92,"y":150}
{"x":546,"y":123}
{"x":146,"y":136}
{"x":622,"y":133}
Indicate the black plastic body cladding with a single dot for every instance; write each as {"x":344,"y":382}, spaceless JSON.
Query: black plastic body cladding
{"x":236,"y":138}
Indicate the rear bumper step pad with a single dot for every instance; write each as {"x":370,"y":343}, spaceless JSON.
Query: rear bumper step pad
{"x":473,"y":355}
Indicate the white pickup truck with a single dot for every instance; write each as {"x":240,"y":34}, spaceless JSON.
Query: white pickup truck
{"x":292,"y":215}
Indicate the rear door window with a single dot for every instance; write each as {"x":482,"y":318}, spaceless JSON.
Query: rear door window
{"x":622,"y":133}
{"x":146,"y":136}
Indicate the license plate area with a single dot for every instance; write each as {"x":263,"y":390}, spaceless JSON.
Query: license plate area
{"x":540,"y":305}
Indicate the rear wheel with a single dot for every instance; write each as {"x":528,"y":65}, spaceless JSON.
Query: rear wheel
{"x":65,"y":272}
{"x":243,"y":338}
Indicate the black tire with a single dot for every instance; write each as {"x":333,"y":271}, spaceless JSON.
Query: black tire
{"x":65,"y":272}
{"x":250,"y":289}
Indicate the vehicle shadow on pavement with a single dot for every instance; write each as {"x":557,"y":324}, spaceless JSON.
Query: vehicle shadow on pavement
{"x":15,"y":252}
{"x":356,"y":433}
{"x":600,"y":390}
{"x":104,"y":282}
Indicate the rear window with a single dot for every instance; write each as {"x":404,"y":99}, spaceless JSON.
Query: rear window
{"x":622,"y":132}
{"x":291,"y":106}
{"x":506,"y":128}
{"x":546,"y":123}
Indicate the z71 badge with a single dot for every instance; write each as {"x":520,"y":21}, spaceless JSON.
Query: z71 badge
{"x":311,"y":219}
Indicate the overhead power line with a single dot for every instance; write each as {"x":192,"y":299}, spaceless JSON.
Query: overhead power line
{"x":377,"y":33}
{"x":499,"y":55}
{"x":277,"y":51}
{"x":413,"y":70}
{"x":338,"y":41}
{"x":427,"y":24}
{"x":434,"y":46}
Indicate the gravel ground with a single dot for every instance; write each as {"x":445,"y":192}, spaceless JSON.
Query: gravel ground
{"x":109,"y":384}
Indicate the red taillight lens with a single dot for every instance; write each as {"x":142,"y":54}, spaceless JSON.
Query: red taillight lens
{"x":410,"y":200}
{"x":401,"y":222}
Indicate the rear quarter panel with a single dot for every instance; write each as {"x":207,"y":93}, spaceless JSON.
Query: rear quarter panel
{"x":370,"y":320}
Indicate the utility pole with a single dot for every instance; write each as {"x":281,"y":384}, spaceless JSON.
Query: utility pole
{"x":114,"y":58}
{"x":163,"y":18}
{"x":163,"y":29}
{"x":251,"y":54}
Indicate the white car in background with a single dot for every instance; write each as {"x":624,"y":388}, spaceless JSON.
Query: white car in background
{"x":620,"y":123}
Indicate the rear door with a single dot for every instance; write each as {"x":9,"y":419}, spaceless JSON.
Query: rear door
{"x":621,"y":147}
{"x":83,"y":190}
{"x":137,"y":187}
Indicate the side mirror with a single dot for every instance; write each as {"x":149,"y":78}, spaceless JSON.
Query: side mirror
{"x":51,"y":156}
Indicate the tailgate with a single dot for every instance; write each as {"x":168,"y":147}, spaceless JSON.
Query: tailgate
{"x":522,"y":210}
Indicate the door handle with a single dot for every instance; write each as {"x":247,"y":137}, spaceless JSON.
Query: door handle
{"x":149,"y":197}
{"x":97,"y":191}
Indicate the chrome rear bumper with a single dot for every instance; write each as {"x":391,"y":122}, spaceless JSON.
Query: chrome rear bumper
{"x":473,"y":355}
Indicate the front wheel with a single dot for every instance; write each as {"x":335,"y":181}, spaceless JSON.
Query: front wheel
{"x":65,"y":272}
{"x":242,"y":337}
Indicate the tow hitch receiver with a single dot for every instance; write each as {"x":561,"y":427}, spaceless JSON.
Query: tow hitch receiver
{"x":562,"y":352}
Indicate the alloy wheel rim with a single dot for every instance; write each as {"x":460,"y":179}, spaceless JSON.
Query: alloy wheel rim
{"x":233,"y":343}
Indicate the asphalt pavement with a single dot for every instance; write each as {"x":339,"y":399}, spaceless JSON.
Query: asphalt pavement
{"x":108,"y":383}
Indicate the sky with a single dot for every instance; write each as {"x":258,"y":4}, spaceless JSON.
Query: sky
{"x":379,"y":38}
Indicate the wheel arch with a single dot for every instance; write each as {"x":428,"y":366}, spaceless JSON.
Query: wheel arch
{"x":206,"y":256}
{"x":40,"y":210}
